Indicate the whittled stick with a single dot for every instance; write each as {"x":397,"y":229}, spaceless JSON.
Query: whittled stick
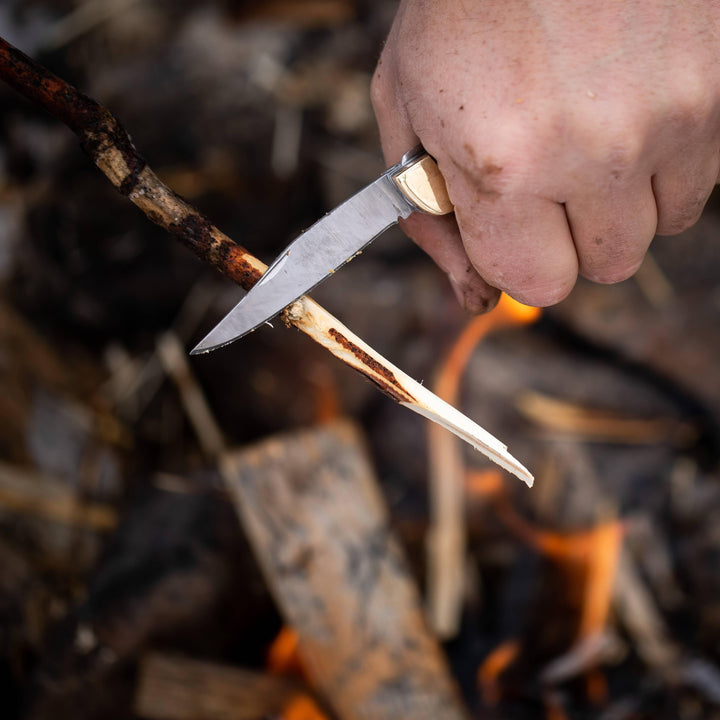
{"x":111,"y":149}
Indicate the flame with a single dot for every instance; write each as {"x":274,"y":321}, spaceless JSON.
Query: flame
{"x":590,"y":557}
{"x":492,"y":667}
{"x":283,"y":657}
{"x":486,"y":483}
{"x":328,"y":406}
{"x":603,"y":553}
{"x":507,"y":313}
{"x":302,"y":707}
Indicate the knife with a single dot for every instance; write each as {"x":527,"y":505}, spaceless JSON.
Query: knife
{"x":414,"y":184}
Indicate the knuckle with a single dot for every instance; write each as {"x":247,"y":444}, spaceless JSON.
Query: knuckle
{"x":613,"y":141}
{"x":621,"y":151}
{"x":682,"y":215}
{"x":691,"y":99}
{"x":491,"y":162}
{"x":610,"y":270}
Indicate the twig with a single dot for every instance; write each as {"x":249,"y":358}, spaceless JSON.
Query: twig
{"x":82,"y":20}
{"x":111,"y":149}
{"x":175,"y":363}
{"x":446,"y":546}
{"x":35,"y":495}
{"x":654,"y":283}
{"x":594,"y":425}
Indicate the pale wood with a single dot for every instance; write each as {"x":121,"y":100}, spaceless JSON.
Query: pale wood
{"x":597,"y":425}
{"x":153,"y":197}
{"x":329,"y":332}
{"x":174,"y":360}
{"x":176,"y":688}
{"x":315,"y":516}
{"x":423,"y":184}
{"x":446,"y":546}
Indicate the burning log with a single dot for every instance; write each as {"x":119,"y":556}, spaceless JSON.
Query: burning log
{"x":314,"y":514}
{"x":111,"y":149}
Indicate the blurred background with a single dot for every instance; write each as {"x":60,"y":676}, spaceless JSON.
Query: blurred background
{"x":596,"y":594}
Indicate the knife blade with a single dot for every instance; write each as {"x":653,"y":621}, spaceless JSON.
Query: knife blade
{"x":414,"y":184}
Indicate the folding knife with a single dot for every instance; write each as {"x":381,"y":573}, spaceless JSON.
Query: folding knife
{"x":414,"y":184}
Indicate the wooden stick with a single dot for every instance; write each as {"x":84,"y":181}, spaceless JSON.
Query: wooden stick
{"x":446,"y":543}
{"x":38,"y":496}
{"x":175,"y":361}
{"x":109,"y":146}
{"x":594,"y":425}
{"x":176,"y":688}
{"x":315,"y":516}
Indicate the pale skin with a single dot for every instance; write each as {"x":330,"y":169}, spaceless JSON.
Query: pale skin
{"x":569,"y":133}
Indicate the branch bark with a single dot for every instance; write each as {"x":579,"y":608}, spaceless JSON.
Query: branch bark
{"x":109,"y":146}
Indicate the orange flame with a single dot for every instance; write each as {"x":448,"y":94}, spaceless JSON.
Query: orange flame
{"x":591,"y":556}
{"x":486,"y":483}
{"x":507,"y":313}
{"x":302,"y":707}
{"x":492,"y":667}
{"x":283,"y":657}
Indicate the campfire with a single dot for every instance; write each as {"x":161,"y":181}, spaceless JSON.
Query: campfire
{"x":260,"y":533}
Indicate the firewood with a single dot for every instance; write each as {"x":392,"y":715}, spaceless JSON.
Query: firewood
{"x":177,"y":688}
{"x":313,"y":511}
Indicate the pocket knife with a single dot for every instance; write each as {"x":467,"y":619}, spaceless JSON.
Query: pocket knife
{"x":414,"y":184}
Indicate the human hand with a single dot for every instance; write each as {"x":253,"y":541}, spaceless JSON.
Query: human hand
{"x":569,"y":133}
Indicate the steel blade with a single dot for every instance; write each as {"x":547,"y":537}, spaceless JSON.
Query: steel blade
{"x":318,"y":252}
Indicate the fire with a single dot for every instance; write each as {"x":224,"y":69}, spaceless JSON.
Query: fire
{"x":493,"y":666}
{"x":284,"y":659}
{"x":328,"y":405}
{"x":590,"y":558}
{"x":303,"y":707}
{"x":508,"y":313}
{"x":486,"y":484}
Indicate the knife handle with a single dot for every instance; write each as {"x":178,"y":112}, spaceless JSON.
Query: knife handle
{"x":422,"y":183}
